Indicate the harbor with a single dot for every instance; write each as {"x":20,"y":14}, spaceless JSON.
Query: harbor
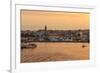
{"x":46,"y":52}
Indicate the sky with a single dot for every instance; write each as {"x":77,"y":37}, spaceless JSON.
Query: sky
{"x":54,"y":20}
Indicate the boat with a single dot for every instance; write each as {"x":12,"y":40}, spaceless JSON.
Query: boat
{"x":28,"y":45}
{"x":83,"y":46}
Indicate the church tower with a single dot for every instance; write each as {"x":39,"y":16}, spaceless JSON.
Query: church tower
{"x":45,"y":33}
{"x":45,"y":28}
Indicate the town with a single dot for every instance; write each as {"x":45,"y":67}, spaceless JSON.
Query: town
{"x":46,"y":35}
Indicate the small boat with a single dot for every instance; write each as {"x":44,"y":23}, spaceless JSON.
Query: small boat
{"x":32,"y":46}
{"x":28,"y":45}
{"x":83,"y":46}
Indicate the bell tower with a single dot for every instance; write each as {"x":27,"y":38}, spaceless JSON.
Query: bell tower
{"x":45,"y":28}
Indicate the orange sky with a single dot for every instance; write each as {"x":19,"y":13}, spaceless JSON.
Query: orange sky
{"x":34,"y":20}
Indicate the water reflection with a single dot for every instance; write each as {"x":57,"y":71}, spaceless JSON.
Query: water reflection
{"x":55,"y":52}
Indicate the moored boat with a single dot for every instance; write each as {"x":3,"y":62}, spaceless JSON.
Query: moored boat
{"x":28,"y":45}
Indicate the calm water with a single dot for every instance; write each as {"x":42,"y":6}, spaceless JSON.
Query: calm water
{"x":55,"y":52}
